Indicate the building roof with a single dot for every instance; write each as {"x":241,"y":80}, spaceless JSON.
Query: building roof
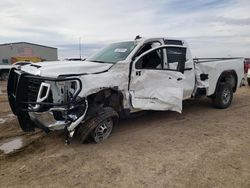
{"x":27,"y":43}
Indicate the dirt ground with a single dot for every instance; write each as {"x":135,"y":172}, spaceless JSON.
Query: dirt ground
{"x":202,"y":147}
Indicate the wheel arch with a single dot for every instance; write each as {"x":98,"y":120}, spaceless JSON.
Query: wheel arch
{"x":228,"y":76}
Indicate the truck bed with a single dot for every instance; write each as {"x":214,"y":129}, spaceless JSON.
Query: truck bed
{"x":208,"y":71}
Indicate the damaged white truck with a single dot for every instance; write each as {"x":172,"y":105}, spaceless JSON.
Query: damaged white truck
{"x":88,"y":97}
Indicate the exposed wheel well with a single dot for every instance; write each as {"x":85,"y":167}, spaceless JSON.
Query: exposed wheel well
{"x":106,"y":98}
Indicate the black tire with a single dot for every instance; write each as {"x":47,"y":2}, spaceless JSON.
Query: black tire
{"x":248,"y":80}
{"x":223,"y":96}
{"x":86,"y":131}
{"x":25,"y":122}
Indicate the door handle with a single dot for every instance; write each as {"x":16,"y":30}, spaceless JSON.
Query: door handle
{"x":179,"y":79}
{"x":138,"y":73}
{"x":188,"y":69}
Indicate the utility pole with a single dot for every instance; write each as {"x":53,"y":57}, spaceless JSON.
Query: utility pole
{"x":80,"y":48}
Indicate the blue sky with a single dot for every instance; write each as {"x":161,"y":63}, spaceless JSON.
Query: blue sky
{"x":213,"y":28}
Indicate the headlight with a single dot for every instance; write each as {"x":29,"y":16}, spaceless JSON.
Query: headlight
{"x":67,"y":89}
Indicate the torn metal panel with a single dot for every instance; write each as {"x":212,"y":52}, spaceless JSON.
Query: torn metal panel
{"x":158,"y":99}
{"x":115,"y":78}
{"x":203,"y":69}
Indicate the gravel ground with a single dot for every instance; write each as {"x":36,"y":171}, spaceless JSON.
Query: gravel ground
{"x":202,"y":147}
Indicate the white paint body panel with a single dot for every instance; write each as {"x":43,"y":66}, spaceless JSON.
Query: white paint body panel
{"x":214,"y":70}
{"x":189,"y":81}
{"x":55,"y":68}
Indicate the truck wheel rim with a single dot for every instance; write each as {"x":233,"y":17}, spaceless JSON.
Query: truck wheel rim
{"x":103,"y":130}
{"x":226,"y":96}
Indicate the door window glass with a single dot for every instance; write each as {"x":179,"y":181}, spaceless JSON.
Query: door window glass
{"x":152,"y":60}
{"x":176,"y":58}
{"x":147,"y":47}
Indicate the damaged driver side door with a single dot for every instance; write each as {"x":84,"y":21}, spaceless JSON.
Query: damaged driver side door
{"x":155,"y":86}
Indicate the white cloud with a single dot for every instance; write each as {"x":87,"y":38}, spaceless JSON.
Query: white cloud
{"x":213,"y":27}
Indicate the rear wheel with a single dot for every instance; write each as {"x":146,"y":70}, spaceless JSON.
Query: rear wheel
{"x":98,"y":128}
{"x":223,"y":96}
{"x":248,"y":80}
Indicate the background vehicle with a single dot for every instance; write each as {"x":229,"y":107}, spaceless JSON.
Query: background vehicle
{"x":247,"y":69}
{"x":246,"y":64}
{"x":4,"y":71}
{"x":89,"y":96}
{"x":5,"y":68}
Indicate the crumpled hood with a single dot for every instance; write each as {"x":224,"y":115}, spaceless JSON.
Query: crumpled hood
{"x":56,"y":68}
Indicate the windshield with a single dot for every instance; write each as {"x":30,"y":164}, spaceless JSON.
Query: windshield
{"x":113,"y":53}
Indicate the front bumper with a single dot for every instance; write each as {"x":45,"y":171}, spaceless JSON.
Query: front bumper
{"x":31,"y":99}
{"x":23,"y":90}
{"x":47,"y":120}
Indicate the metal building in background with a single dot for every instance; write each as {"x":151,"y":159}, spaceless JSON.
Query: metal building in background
{"x":24,"y":51}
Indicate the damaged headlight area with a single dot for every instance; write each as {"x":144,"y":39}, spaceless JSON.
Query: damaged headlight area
{"x":65,"y":90}
{"x":50,"y":103}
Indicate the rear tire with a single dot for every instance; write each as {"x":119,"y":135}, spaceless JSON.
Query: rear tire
{"x":248,"y":80}
{"x":98,"y":128}
{"x":223,"y":96}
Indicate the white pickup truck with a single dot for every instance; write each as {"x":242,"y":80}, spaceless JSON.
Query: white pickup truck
{"x":88,"y":97}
